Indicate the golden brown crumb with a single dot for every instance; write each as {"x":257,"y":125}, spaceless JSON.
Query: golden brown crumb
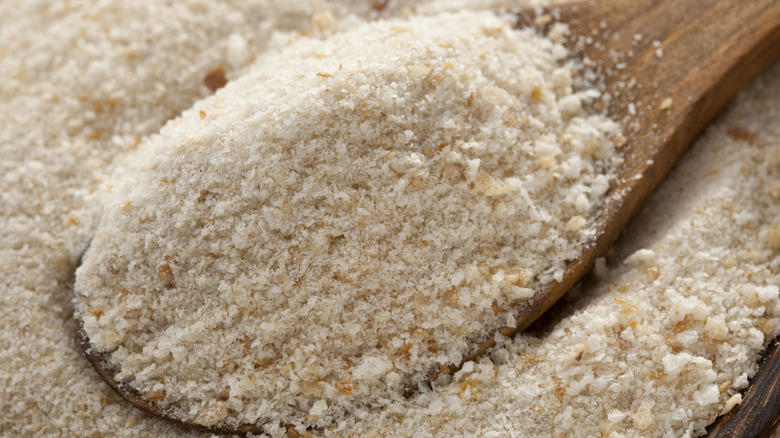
{"x":204,"y":194}
{"x":344,"y":387}
{"x":559,"y":390}
{"x":155,"y":395}
{"x":164,"y":272}
{"x":765,"y":326}
{"x":379,"y":5}
{"x":451,"y":296}
{"x":741,"y":134}
{"x":626,"y":307}
{"x":469,"y":386}
{"x":652,"y":273}
{"x":619,"y":140}
{"x":530,"y":358}
{"x":215,"y":78}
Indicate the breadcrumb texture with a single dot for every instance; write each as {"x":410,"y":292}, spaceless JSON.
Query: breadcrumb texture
{"x":83,"y":82}
{"x":402,"y":188}
{"x":661,"y":340}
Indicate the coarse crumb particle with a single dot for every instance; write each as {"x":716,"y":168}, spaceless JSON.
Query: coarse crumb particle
{"x":731,"y":403}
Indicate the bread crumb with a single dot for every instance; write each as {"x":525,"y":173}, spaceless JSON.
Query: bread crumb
{"x":731,"y":403}
{"x":558,"y":32}
{"x":576,"y":223}
{"x":215,"y":78}
{"x":211,"y":415}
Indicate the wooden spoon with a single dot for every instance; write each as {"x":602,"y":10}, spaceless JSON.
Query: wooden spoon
{"x":668,"y":68}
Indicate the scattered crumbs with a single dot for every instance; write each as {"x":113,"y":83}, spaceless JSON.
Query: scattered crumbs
{"x":620,"y":141}
{"x":558,"y":32}
{"x":543,"y":20}
{"x":666,"y":104}
{"x":731,"y":403}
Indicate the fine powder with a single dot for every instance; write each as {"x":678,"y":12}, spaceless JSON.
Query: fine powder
{"x":342,"y":218}
{"x":83,"y":82}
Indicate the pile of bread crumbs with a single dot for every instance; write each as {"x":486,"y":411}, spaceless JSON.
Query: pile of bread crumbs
{"x":658,"y":347}
{"x":403,"y":187}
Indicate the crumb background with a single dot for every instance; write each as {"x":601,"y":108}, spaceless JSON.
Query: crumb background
{"x":641,"y":353}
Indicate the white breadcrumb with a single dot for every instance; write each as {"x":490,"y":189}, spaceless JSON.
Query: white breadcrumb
{"x":61,"y":62}
{"x":402,"y":188}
